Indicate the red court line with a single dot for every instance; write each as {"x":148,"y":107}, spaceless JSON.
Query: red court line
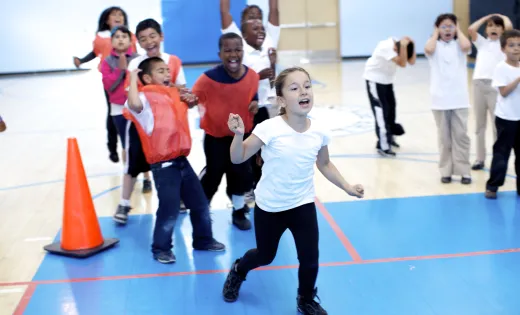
{"x":26,"y":298}
{"x":339,"y":233}
{"x":202,"y":272}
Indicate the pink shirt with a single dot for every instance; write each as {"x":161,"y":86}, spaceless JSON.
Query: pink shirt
{"x":114,"y":78}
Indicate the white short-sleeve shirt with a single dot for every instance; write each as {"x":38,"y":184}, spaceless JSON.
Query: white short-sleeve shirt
{"x":181,"y":77}
{"x":258,"y":60}
{"x":489,"y":55}
{"x":448,"y":76}
{"x":289,"y":157}
{"x":145,"y":117}
{"x":379,"y":67}
{"x":508,"y":107}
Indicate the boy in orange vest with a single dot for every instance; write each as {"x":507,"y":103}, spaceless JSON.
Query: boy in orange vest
{"x":161,"y":119}
{"x":230,"y":87}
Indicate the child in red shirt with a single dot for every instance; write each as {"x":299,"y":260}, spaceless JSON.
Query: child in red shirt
{"x":228,"y":88}
{"x":161,"y":118}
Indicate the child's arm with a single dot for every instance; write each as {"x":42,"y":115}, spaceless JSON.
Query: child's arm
{"x":473,"y":28}
{"x":331,"y":173}
{"x":274,"y":14}
{"x":431,"y":44}
{"x":507,"y":89}
{"x":508,"y":25}
{"x":464,"y":43}
{"x":401,"y":59}
{"x":242,"y":150}
{"x":90,"y":56}
{"x":134,"y":101}
{"x":225,"y":14}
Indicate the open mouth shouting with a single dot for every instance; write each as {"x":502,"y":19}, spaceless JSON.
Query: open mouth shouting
{"x":305,"y":102}
{"x":233,"y":64}
{"x":152,"y":51}
{"x":260,"y":39}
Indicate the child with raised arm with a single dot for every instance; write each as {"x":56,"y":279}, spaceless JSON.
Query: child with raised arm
{"x":506,"y":78}
{"x":484,"y":95}
{"x":161,"y":118}
{"x":447,"y":52}
{"x":291,"y":145}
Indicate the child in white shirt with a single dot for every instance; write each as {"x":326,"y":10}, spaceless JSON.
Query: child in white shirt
{"x":506,"y":78}
{"x":291,"y":145}
{"x":380,"y":70}
{"x":446,"y":51}
{"x":484,"y":95}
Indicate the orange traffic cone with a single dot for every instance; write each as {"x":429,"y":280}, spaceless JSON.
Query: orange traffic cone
{"x":81,"y":235}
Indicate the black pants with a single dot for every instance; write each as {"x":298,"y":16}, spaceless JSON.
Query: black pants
{"x":261,"y":115}
{"x":111,"y":129}
{"x":508,"y":137}
{"x":218,"y":163}
{"x":269,"y":227}
{"x":382,"y":101}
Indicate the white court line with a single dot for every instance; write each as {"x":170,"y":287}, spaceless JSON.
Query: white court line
{"x":38,"y":239}
{"x":12,"y":290}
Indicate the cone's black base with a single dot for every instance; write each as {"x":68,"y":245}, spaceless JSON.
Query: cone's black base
{"x":55,"y":248}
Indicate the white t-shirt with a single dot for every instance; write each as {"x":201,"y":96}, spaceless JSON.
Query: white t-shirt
{"x":145,"y":117}
{"x":379,"y":67}
{"x":448,"y":76}
{"x":488,"y":56}
{"x":181,"y":78}
{"x":508,"y":107}
{"x":289,"y":157}
{"x":258,"y":60}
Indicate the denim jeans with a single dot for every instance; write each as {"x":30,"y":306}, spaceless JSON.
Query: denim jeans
{"x":176,"y":180}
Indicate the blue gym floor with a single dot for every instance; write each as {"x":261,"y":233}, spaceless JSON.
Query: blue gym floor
{"x":454,"y":254}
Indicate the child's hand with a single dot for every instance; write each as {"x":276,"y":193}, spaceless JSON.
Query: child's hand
{"x":356,"y":191}
{"x":123,"y":64}
{"x":134,"y":75}
{"x":272,"y":55}
{"x":253,"y":107}
{"x":236,"y":124}
{"x":189,"y":99}
{"x":77,"y":62}
{"x":267,"y":73}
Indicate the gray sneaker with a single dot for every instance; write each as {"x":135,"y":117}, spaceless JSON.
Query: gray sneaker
{"x":121,"y":215}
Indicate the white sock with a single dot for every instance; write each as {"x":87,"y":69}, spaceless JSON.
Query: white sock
{"x":125,"y":203}
{"x":238,"y":201}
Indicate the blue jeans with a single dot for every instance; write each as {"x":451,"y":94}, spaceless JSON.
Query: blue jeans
{"x":176,"y":180}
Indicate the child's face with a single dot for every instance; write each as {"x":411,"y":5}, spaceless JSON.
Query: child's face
{"x":447,"y":30}
{"x":512,"y":49}
{"x":150,"y":41}
{"x":231,"y":54}
{"x":493,"y":31}
{"x":115,"y":18}
{"x":255,"y":33}
{"x":297,"y":94}
{"x":120,"y":41}
{"x":160,"y":74}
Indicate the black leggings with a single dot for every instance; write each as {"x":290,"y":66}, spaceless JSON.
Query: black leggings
{"x":269,"y":227}
{"x":111,"y":129}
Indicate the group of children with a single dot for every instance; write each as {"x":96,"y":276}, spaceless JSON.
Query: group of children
{"x":495,"y":81}
{"x":148,"y":102}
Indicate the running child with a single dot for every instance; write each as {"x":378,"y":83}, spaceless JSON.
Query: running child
{"x":447,"y":52}
{"x":291,"y":145}
{"x":484,"y":95}
{"x":102,"y":48}
{"x":161,"y":119}
{"x":506,"y":78}
{"x":230,"y":87}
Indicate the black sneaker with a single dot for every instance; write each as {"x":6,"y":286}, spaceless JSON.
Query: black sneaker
{"x":478,"y":166}
{"x":240,"y":220}
{"x":147,"y":186}
{"x":121,"y":215}
{"x":310,"y":306}
{"x":114,"y":157}
{"x":232,"y":285}
{"x":165,"y":257}
{"x":213,"y":247}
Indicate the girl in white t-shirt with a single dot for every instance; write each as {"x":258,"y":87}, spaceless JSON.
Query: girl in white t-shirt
{"x":484,"y":95}
{"x":291,"y":145}
{"x":446,"y":51}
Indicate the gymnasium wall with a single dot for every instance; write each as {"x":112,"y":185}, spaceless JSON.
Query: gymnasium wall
{"x":364,"y":23}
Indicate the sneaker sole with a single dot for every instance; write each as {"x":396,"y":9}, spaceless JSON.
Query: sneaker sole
{"x":230,"y":300}
{"x":165,"y":261}
{"x":211,"y":249}
{"x":120,"y":220}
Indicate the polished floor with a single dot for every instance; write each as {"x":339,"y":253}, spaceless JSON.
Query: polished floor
{"x":412,"y":246}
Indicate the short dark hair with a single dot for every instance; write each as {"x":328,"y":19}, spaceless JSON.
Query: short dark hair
{"x":446,"y":16}
{"x":227,"y":36}
{"x":497,"y":20}
{"x":122,"y":29}
{"x":507,"y":35}
{"x":148,"y":23}
{"x":146,"y":66}
{"x":246,"y":10}
{"x":409,"y":49}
